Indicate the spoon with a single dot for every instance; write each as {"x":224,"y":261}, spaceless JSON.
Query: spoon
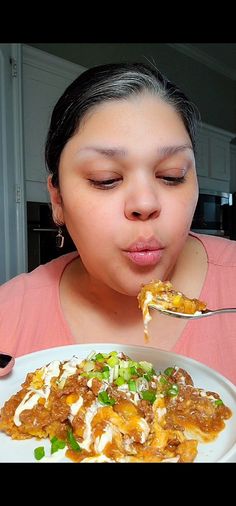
{"x":194,"y":316}
{"x":6,"y":363}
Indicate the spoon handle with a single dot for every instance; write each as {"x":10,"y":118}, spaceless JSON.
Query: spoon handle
{"x":6,"y":363}
{"x":217,"y":311}
{"x":190,"y":316}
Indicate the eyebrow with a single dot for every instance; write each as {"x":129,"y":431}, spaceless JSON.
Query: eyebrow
{"x":171,"y":150}
{"x":111,"y":152}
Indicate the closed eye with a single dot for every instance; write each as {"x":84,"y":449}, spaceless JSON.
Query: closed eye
{"x":105,"y":184}
{"x":173,"y":181}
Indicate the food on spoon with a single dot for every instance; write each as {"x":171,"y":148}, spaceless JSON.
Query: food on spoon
{"x":163,"y":296}
{"x":110,"y":408}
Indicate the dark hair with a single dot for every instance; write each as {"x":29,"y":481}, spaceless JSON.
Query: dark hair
{"x":99,"y":84}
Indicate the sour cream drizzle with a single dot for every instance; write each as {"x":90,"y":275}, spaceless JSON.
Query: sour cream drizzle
{"x":69,"y":369}
{"x":29,"y":401}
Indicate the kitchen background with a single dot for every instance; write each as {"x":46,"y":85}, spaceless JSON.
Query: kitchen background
{"x":33,"y":76}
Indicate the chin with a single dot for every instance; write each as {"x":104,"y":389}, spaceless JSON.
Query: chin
{"x":128,"y":291}
{"x":133,"y":290}
{"x":132,"y":284}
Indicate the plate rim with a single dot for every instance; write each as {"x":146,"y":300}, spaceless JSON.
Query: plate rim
{"x":164,"y":353}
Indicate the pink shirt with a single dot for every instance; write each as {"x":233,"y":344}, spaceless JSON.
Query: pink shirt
{"x":31,"y":317}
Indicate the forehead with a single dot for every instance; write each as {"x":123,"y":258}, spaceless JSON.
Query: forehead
{"x":141,"y":112}
{"x":138,"y":127}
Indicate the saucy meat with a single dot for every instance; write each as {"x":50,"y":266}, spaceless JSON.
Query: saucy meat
{"x":110,"y":408}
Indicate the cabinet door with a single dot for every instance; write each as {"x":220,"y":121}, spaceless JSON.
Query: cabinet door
{"x":12,"y":208}
{"x":213,"y":158}
{"x":202,"y":154}
{"x":219,"y":157}
{"x":45,"y":78}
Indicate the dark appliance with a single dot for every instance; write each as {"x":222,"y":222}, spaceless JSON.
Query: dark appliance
{"x":41,"y":235}
{"x":232,"y":230}
{"x":212,"y":214}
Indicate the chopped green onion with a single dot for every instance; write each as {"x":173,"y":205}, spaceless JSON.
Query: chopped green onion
{"x":125,"y":364}
{"x":169,"y":371}
{"x":89,"y":366}
{"x":115,"y":371}
{"x":120,"y":381}
{"x":132,"y":385}
{"x":112,"y":361}
{"x":163,"y":380}
{"x":39,"y":452}
{"x":57,"y":444}
{"x":99,"y":357}
{"x":147,"y":395}
{"x":133,"y":370}
{"x":149,"y":375}
{"x":91,"y":355}
{"x":72,"y":441}
{"x":173,"y":390}
{"x":142,"y":384}
{"x":132,"y":363}
{"x":105,"y":375}
{"x":124,"y":372}
{"x":218,"y":402}
{"x":146,"y":366}
{"x":95,"y":374}
{"x":104,"y":398}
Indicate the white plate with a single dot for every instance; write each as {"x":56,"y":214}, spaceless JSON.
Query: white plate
{"x":223,"y":449}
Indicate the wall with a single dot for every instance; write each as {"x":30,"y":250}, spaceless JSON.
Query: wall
{"x":213,"y":93}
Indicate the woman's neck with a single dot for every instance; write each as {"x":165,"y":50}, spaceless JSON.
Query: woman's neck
{"x":88,"y":292}
{"x":190,"y":271}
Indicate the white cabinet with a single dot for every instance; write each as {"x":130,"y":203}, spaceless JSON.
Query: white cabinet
{"x":202,"y":163}
{"x":31,"y":82}
{"x":45,"y":78}
{"x":12,"y":203}
{"x":213,"y":158}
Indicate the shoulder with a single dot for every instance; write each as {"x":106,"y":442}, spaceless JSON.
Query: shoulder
{"x":42,"y":276}
{"x":219,"y":250}
{"x":27,"y":303}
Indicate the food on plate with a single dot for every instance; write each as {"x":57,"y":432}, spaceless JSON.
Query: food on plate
{"x":164,"y":296}
{"x":110,"y":408}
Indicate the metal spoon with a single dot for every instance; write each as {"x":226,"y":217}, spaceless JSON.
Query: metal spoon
{"x":194,"y":316}
{"x":6,"y":363}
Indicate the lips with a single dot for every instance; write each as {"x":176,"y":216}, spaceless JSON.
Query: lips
{"x":145,"y":252}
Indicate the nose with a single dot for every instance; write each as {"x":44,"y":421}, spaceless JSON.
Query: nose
{"x":142,"y":203}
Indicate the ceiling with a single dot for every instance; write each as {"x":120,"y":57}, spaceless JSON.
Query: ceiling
{"x":217,"y":56}
{"x":220,"y":57}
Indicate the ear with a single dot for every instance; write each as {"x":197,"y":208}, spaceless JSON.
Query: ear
{"x":56,"y":201}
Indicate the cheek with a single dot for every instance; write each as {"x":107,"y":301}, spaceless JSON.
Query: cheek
{"x":177,"y":217}
{"x":191,"y":206}
{"x":88,"y":223}
{"x":180,"y":210}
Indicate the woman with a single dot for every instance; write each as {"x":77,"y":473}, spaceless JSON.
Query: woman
{"x":120,"y":152}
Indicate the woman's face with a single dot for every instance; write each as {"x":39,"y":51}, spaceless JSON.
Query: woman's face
{"x":128,"y":191}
